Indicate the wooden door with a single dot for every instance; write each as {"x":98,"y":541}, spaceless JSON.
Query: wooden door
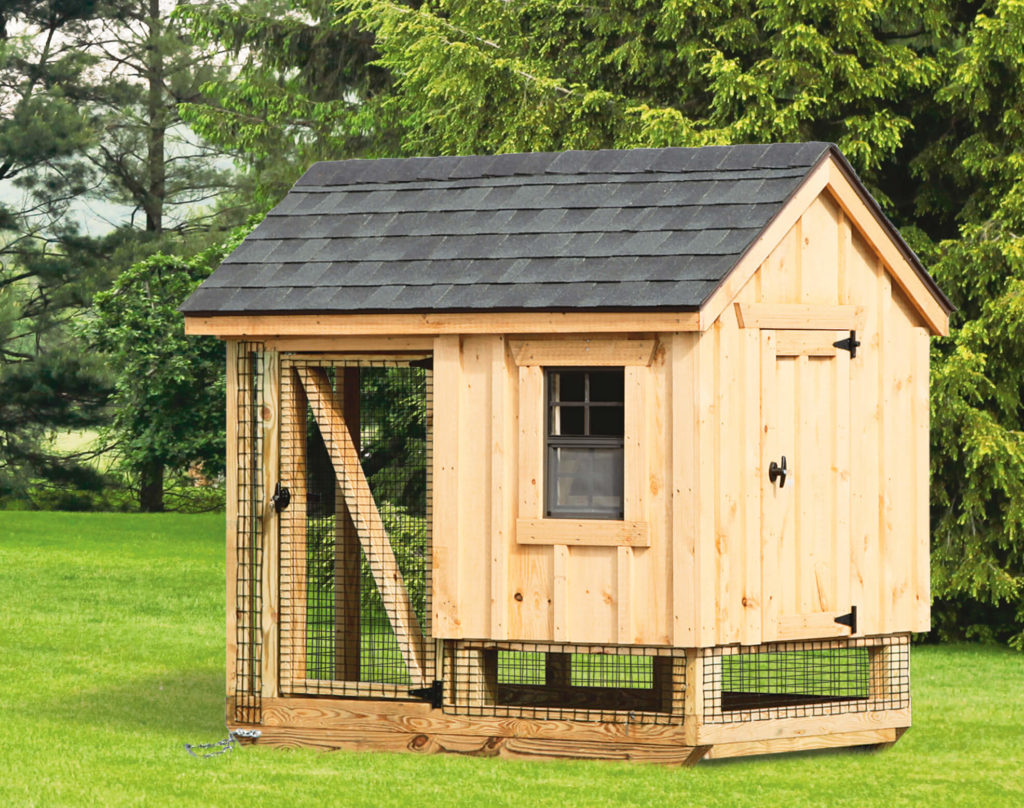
{"x":805,"y":513}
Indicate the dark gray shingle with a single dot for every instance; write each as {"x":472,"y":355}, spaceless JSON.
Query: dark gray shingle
{"x":646,"y":228}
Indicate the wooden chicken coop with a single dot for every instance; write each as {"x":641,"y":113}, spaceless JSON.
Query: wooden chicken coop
{"x":613,"y":454}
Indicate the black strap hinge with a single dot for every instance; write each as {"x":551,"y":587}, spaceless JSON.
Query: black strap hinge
{"x":849,"y":620}
{"x":434,"y":694}
{"x":850,"y":344}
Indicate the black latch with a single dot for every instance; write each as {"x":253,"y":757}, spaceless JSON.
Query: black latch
{"x":282,"y":496}
{"x":850,"y":344}
{"x":849,"y":620}
{"x":434,"y":694}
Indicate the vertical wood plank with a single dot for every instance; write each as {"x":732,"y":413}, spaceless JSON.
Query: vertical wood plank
{"x":788,"y":584}
{"x":860,"y":290}
{"x":845,"y":263}
{"x":728,"y":517}
{"x":822,"y":537}
{"x":693,"y":698}
{"x":820,"y":258}
{"x":530,"y":570}
{"x":901,"y":459}
{"x":474,"y":469}
{"x":502,"y":484}
{"x":922,"y":528}
{"x":708,"y":421}
{"x":560,"y":592}
{"x":886,"y":469}
{"x":685,"y":480}
{"x":652,"y":602}
{"x":624,"y":594}
{"x":802,"y":472}
{"x":751,"y":596}
{"x":772,"y":499}
{"x":879,"y":665}
{"x":270,"y":426}
{"x":445,"y":529}
{"x":592,"y":593}
{"x":840,"y":500}
{"x":531,"y":442}
{"x":231,"y":484}
{"x":635,"y":481}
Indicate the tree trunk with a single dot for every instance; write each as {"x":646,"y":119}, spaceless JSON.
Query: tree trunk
{"x":157,"y":112}
{"x":151,"y":487}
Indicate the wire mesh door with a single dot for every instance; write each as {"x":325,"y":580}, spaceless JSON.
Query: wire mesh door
{"x":355,"y":538}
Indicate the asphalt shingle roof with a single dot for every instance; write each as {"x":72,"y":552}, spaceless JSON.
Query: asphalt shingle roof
{"x":638,"y":229}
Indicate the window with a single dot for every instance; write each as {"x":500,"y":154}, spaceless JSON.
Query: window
{"x":585,"y":420}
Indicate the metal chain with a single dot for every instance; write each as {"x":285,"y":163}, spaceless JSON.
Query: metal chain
{"x":223,"y":745}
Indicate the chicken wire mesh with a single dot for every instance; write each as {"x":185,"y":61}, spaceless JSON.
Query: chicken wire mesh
{"x":797,"y":679}
{"x":355,"y":544}
{"x":248,"y":561}
{"x":565,"y":682}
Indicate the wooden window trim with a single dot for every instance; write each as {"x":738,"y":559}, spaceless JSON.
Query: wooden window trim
{"x":531,"y":406}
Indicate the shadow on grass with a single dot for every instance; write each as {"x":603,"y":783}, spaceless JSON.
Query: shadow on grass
{"x":185,"y":701}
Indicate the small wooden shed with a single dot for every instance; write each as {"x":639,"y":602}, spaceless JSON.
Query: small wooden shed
{"x":611,"y":454}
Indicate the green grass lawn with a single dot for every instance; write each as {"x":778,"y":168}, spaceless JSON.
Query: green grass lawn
{"x":111,"y":658}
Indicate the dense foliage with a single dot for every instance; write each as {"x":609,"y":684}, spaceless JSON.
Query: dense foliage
{"x":925,"y":97}
{"x":168,"y":401}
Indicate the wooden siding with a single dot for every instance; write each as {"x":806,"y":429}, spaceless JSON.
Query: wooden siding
{"x":874,"y":521}
{"x":561,"y":580}
{"x":727,"y":557}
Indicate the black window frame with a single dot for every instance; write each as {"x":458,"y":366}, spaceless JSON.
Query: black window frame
{"x":553,"y":442}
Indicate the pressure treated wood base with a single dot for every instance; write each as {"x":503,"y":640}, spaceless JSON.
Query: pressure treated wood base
{"x":410,"y":726}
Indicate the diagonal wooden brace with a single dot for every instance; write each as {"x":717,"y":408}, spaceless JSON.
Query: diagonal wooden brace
{"x":373,"y":536}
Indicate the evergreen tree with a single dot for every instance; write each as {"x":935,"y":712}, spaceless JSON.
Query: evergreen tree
{"x":298,"y":92}
{"x":47,"y":268}
{"x":923,"y":97}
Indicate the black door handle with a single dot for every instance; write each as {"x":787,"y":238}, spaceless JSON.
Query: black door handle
{"x":778,"y":472}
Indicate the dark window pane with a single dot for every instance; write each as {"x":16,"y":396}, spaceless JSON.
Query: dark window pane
{"x":567,"y":421}
{"x":607,"y":385}
{"x":587,"y":481}
{"x":606,"y":421}
{"x":568,"y":385}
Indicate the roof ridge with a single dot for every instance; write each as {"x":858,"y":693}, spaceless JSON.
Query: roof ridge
{"x":667,"y":159}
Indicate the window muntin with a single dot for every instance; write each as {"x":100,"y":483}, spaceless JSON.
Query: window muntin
{"x":584,"y":437}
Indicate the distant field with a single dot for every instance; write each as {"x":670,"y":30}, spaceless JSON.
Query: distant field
{"x":111,"y":658}
{"x":81,"y":440}
{"x":76,"y":441}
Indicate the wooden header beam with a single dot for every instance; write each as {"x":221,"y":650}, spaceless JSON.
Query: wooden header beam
{"x":322,"y":325}
{"x":583,"y":352}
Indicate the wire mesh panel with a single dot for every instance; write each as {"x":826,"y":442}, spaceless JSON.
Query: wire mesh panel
{"x":249,"y":534}
{"x":807,"y":678}
{"x":355,"y":539}
{"x":642,"y":685}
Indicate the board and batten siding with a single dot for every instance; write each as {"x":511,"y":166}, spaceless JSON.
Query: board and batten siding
{"x":502,"y":571}
{"x":865,"y":533}
{"x":698,"y":562}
